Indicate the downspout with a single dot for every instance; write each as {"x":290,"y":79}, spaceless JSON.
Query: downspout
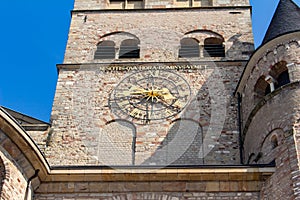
{"x":240,"y":128}
{"x":26,"y":196}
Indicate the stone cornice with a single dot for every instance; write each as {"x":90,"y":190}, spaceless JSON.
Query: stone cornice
{"x":161,"y":9}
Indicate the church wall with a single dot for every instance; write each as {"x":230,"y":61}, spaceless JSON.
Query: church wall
{"x":283,"y":184}
{"x":160,"y":32}
{"x":13,"y":183}
{"x":81,"y":113}
{"x":270,"y":121}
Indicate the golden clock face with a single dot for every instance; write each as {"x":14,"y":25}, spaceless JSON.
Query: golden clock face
{"x":150,"y":95}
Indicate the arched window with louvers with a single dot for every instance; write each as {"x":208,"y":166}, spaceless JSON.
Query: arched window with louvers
{"x":105,"y":50}
{"x":214,"y":47}
{"x":129,"y":48}
{"x":189,"y":47}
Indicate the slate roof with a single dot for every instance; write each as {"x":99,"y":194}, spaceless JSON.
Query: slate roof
{"x":286,"y":19}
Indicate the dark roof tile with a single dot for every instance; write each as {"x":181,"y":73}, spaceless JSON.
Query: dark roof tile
{"x":286,"y":19}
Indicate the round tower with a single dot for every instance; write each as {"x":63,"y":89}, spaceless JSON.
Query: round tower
{"x":270,"y":103}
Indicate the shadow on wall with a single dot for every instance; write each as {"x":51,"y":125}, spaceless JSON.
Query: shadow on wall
{"x":184,"y":143}
{"x":239,"y":49}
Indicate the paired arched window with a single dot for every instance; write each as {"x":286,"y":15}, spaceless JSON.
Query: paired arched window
{"x":278,"y":76}
{"x":118,"y":46}
{"x":105,"y":50}
{"x":213,"y":47}
{"x":189,"y":47}
{"x":129,"y":49}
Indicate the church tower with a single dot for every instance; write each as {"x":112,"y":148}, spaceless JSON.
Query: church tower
{"x":163,"y":100}
{"x":151,"y":83}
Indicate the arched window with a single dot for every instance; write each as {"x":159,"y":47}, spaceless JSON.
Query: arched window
{"x":105,"y":50}
{"x":280,"y":73}
{"x":118,"y":148}
{"x":189,"y":47}
{"x":274,"y":141}
{"x":262,"y":87}
{"x":269,"y":146}
{"x":129,"y":49}
{"x":213,"y":47}
{"x":283,"y":79}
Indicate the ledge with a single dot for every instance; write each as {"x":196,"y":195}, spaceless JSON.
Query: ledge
{"x":188,"y":174}
{"x":235,"y":179}
{"x":160,"y":9}
{"x":102,"y":66}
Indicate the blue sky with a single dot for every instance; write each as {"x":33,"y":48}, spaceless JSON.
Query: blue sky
{"x":33,"y":39}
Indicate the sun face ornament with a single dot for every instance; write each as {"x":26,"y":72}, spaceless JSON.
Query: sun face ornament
{"x":150,"y":95}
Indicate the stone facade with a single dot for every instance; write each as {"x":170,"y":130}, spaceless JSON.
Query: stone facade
{"x":88,"y":91}
{"x":222,"y":124}
{"x":81,"y":105}
{"x":270,"y":119}
{"x":159,"y":32}
{"x":13,"y":183}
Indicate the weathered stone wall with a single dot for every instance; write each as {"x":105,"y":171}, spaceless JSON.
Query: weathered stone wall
{"x":81,"y":118}
{"x":160,"y":32}
{"x":155,"y":196}
{"x":270,"y":120}
{"x":106,"y":4}
{"x":288,"y":51}
{"x":283,"y":117}
{"x":13,"y":183}
{"x":283,"y":184}
{"x":40,"y":137}
{"x":81,"y":114}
